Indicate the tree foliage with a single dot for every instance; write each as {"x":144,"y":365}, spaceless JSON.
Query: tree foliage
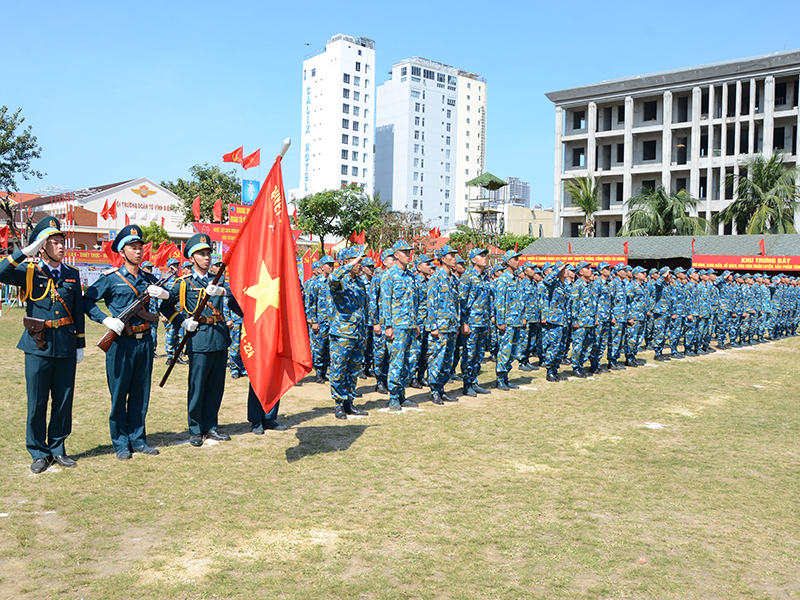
{"x":508,"y":241}
{"x":585,"y":192}
{"x":18,"y":149}
{"x":211,"y":184}
{"x":766,"y":196}
{"x":655,"y":212}
{"x":464,"y":238}
{"x":154,"y":233}
{"x":395,"y":225}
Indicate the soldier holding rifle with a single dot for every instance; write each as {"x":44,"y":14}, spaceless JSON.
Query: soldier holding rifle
{"x":128,"y":344}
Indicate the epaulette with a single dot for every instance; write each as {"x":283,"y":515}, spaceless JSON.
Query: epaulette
{"x":110,"y":271}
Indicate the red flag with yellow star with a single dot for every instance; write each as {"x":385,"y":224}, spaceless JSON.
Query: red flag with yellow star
{"x":263,"y":278}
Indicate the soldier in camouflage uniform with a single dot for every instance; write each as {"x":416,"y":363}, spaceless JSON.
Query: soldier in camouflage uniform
{"x":508,"y":318}
{"x":662,"y":312}
{"x":726,"y":308}
{"x":619,"y":316}
{"x":583,"y":316}
{"x":380,"y":343}
{"x":691,"y":322}
{"x":602,"y":293}
{"x":318,"y":316}
{"x":530,"y":306}
{"x":442,"y":324}
{"x":650,"y":287}
{"x":552,"y":295}
{"x":419,"y":347}
{"x":678,"y":316}
{"x":367,"y":274}
{"x":234,"y":323}
{"x":475,"y":299}
{"x":458,"y":355}
{"x":638,"y":311}
{"x":172,"y":335}
{"x":349,"y":309}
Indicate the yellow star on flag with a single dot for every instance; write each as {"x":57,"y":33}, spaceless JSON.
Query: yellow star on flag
{"x":266,"y":291}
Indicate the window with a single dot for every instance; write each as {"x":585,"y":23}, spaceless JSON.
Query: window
{"x":440,"y":77}
{"x":467,"y":107}
{"x":343,"y":182}
{"x":447,"y":180}
{"x":578,"y":157}
{"x":344,"y":154}
{"x":416,"y":134}
{"x":620,"y":153}
{"x":448,"y":127}
{"x":345,"y":93}
{"x":452,"y":102}
{"x":304,"y":74}
{"x":344,"y":169}
{"x":447,"y":140}
{"x":447,"y":153}
{"x":421,"y":190}
{"x":346,"y":108}
{"x":415,"y":93}
{"x":358,"y":66}
{"x":422,"y":163}
{"x":355,"y":155}
{"x":415,"y":203}
{"x":416,"y":176}
{"x":428,"y":74}
{"x":416,"y":148}
{"x":651,"y":110}
{"x":447,"y":204}
{"x":403,"y":71}
{"x":356,"y":96}
{"x":467,"y":120}
{"x":449,"y":114}
{"x":356,"y":111}
{"x":468,"y":158}
{"x":416,"y":106}
{"x":366,"y":141}
{"x":355,"y":125}
{"x":416,"y":121}
{"x":467,"y":132}
{"x":355,"y":140}
{"x":356,"y":81}
{"x":416,"y":71}
{"x":579,"y":119}
{"x":345,"y":124}
{"x":423,"y":121}
{"x":447,"y":167}
{"x":313,"y":72}
{"x":447,"y":220}
{"x":416,"y":191}
{"x":423,"y":136}
{"x":416,"y":162}
{"x":466,"y":171}
{"x":345,"y":138}
{"x":649,"y":150}
{"x":346,"y":77}
{"x":354,"y":171}
{"x":467,"y":145}
{"x":422,"y":176}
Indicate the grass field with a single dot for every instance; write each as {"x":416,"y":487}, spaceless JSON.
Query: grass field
{"x":673,"y":480}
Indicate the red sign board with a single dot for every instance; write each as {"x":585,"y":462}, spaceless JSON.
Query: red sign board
{"x":87,"y":257}
{"x":217,"y":232}
{"x":237,"y":213}
{"x":749,"y":263}
{"x":593,"y":259}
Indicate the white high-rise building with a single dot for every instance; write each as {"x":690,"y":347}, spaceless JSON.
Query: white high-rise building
{"x":338,"y":116}
{"x":430,"y":139}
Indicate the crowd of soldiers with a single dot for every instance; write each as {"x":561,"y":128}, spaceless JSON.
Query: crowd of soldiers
{"x":410,"y":323}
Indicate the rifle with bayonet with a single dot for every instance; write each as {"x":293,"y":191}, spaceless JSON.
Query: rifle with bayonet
{"x":134,"y":309}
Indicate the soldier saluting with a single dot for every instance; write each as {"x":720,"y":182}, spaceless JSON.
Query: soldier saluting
{"x":129,"y":359}
{"x":53,"y":339}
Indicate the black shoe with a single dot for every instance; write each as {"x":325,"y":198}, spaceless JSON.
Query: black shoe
{"x":436,"y":398}
{"x":616,"y":367}
{"x":352,"y":410}
{"x":64,"y":461}
{"x":362,"y":374}
{"x":604,"y":369}
{"x":123,"y":455}
{"x":478,"y":389}
{"x":395,"y":405}
{"x":274,"y":426}
{"x":217,"y":436}
{"x":359,"y":395}
{"x":182,"y":361}
{"x":409,"y":404}
{"x":416,"y":384}
{"x":40,"y":465}
{"x":169,"y":360}
{"x":501,"y":385}
{"x":196,"y":440}
{"x":455,"y":377}
{"x":468,"y":391}
{"x":381,"y":388}
{"x":147,"y":450}
{"x":319,"y":377}
{"x":325,"y":376}
{"x":526,"y":367}
{"x":660,"y":358}
{"x":235,"y":375}
{"x":258,"y":429}
{"x":677,"y":355}
{"x":565,"y":362}
{"x":553,"y":377}
{"x":580,"y":373}
{"x":595,"y":371}
{"x":339,"y":412}
{"x":447,"y":398}
{"x":690,"y":353}
{"x":512,"y":386}
{"x":702,"y":351}
{"x":424,"y":381}
{"x":631,"y":363}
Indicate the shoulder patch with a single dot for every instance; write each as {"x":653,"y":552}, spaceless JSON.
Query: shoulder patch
{"x":110,"y":271}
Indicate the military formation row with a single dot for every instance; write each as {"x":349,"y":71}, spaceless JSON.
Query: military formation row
{"x":409,"y":324}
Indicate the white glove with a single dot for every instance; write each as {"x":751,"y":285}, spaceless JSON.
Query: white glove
{"x":189,"y":324}
{"x":114,"y":325}
{"x":34,"y":248}
{"x":79,"y":356}
{"x":157,"y":292}
{"x":215,"y":290}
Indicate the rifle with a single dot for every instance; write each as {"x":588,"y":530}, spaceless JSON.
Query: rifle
{"x":196,"y":316}
{"x":135,"y":308}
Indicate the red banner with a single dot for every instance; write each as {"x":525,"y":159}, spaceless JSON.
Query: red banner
{"x":594,"y":259}
{"x":237,"y":213}
{"x":747,"y":263}
{"x":217,"y":232}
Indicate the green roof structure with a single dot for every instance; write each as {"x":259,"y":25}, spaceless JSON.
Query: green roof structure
{"x":487,"y":181}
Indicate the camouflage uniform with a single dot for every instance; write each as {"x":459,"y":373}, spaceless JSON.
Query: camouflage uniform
{"x":619,"y":314}
{"x":662,"y":312}
{"x":419,"y":347}
{"x":638,"y":306}
{"x":235,"y":363}
{"x":508,"y":312}
{"x":318,"y":310}
{"x":602,"y":293}
{"x":552,"y":295}
{"x":583,"y":314}
{"x":443,"y":313}
{"x":475,"y":299}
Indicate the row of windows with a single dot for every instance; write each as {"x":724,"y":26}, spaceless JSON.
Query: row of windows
{"x":346,"y":140}
{"x":353,"y":171}
{"x":353,"y":154}
{"x":356,"y":111}
{"x":429,"y":74}
{"x":356,"y":95}
{"x":347,"y":124}
{"x":356,"y":80}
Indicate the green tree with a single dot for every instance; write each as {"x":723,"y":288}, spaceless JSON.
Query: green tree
{"x":17,"y":151}
{"x":395,"y":225}
{"x":656,"y":212}
{"x":154,"y":233}
{"x":766,"y":196}
{"x":507,"y":241}
{"x":369,"y":212}
{"x":585,"y":195}
{"x":211,"y":184}
{"x":317,"y":213}
{"x":464,"y":238}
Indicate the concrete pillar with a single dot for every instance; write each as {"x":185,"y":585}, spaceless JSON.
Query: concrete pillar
{"x":591,"y":143}
{"x":694,"y":144}
{"x":627,"y":165}
{"x":769,"y":115}
{"x":751,"y":126}
{"x":557,"y":199}
{"x":666,"y":142}
{"x":723,"y":141}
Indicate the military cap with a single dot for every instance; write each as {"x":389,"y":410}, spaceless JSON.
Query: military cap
{"x":387,"y":252}
{"x":446,"y":249}
{"x":619,"y":266}
{"x":147,"y":263}
{"x":653,"y":270}
{"x":326,"y":260}
{"x":128,"y":235}
{"x":726,"y":273}
{"x":520,"y":270}
{"x":638,"y":270}
{"x":680,"y":270}
{"x":199,"y":241}
{"x":529,"y":265}
{"x":346,"y":254}
{"x":216,"y":259}
{"x":569,"y":267}
{"x":367,"y":262}
{"x":691,"y":270}
{"x":315,"y":264}
{"x":173,"y":261}
{"x":477,"y":251}
{"x":45,"y":228}
{"x":559,"y":265}
{"x":663,"y":270}
{"x":401,"y":245}
{"x":582,"y":265}
{"x":537,"y":270}
{"x":710,"y":272}
{"x":603,"y":265}
{"x":510,"y":254}
{"x":424,"y":259}
{"x":186,"y":265}
{"x":460,"y":260}
{"x":546,"y":266}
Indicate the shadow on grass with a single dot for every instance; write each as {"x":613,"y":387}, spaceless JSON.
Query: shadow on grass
{"x":319,"y":440}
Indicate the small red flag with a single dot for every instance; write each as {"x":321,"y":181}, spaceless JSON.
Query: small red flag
{"x":218,"y":211}
{"x":761,"y":245}
{"x":196,"y":208}
{"x":114,"y":258}
{"x":104,"y":212}
{"x":127,"y":220}
{"x":570,"y":247}
{"x":307,"y":266}
{"x":315,"y":256}
{"x":164,"y":253}
{"x":147,"y":252}
{"x":253,"y":160}
{"x":353,"y":238}
{"x":294,"y":216}
{"x":433,"y":233}
{"x":235,"y":156}
{"x":625,"y":247}
{"x":516,"y":247}
{"x":263,"y":278}
{"x":4,"y":237}
{"x":112,"y":212}
{"x":693,"y":241}
{"x":162,"y":221}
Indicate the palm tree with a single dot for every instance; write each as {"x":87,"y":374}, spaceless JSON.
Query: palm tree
{"x":656,"y":212}
{"x":585,"y":194}
{"x":766,"y":196}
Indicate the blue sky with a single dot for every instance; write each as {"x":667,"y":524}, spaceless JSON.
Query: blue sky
{"x":116,"y":91}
